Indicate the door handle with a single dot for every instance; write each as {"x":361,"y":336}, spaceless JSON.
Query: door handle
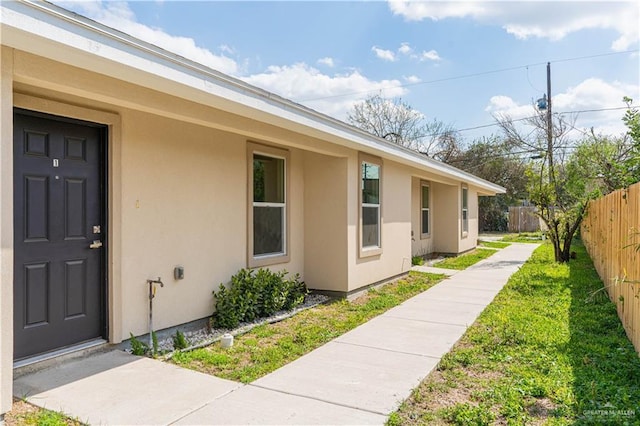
{"x":95,"y":244}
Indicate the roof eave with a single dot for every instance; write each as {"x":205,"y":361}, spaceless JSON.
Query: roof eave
{"x":187,"y":78}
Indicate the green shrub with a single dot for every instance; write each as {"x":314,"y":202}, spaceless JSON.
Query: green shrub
{"x":154,"y":342}
{"x":271,"y":290}
{"x":417,"y":260}
{"x":296,"y":291}
{"x":227,"y":314}
{"x":255,"y":294}
{"x":179,"y":341}
{"x":137,"y":347}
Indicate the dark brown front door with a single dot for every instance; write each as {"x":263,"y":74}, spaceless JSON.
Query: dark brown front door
{"x":58,"y":231}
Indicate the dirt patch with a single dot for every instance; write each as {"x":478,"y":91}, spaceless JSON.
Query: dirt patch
{"x":19,"y":411}
{"x":484,"y":375}
{"x":541,"y":409}
{"x":451,"y":398}
{"x":361,"y":300}
{"x":22,"y":413}
{"x":446,"y":388}
{"x":438,"y":391}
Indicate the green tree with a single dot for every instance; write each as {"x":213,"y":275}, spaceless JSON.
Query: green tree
{"x":559,"y":206}
{"x":632,"y":120}
{"x":603,"y":163}
{"x":573,"y":172}
{"x":497,"y":161}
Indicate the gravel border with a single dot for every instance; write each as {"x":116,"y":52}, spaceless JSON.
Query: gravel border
{"x":205,"y":336}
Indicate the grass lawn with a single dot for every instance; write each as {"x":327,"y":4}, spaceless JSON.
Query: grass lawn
{"x":550,"y":349}
{"x":494,"y":244}
{"x":465,"y":260}
{"x":523,"y":237}
{"x":270,"y":346}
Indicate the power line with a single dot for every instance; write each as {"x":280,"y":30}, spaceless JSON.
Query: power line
{"x":598,"y":55}
{"x":505,"y":155}
{"x":482,"y":126}
{"x":595,"y":110}
{"x":497,"y":155}
{"x":420,"y":83}
{"x":477,"y":74}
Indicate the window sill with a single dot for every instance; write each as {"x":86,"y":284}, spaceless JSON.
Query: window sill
{"x":370,"y":252}
{"x":425,"y":236}
{"x":258,"y":262}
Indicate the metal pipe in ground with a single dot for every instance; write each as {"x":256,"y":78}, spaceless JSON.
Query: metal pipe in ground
{"x":152,"y":294}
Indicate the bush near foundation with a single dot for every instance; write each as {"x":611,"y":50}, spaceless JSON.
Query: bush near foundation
{"x":256,"y":294}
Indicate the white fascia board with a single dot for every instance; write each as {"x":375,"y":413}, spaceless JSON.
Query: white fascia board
{"x":47,"y":30}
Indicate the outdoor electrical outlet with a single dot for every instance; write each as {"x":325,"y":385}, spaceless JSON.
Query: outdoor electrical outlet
{"x":178,"y":273}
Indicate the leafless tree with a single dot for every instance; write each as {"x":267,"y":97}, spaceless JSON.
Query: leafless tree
{"x":553,"y":190}
{"x":396,"y":121}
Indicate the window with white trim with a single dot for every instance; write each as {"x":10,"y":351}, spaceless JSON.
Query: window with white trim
{"x":269,"y":208}
{"x":425,"y":218}
{"x":465,"y":210}
{"x":370,"y":205}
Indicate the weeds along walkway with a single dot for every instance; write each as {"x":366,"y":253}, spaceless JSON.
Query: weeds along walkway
{"x":358,"y":378}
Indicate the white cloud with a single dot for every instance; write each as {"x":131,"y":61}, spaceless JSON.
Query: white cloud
{"x":327,"y":61}
{"x":412,"y":79}
{"x":118,"y":15}
{"x":431,"y":55}
{"x":227,"y":49}
{"x":501,"y":105}
{"x":333,"y":95}
{"x":385,"y":55}
{"x":591,"y":94}
{"x":542,"y":19}
{"x":405,"y":49}
{"x":419,"y":10}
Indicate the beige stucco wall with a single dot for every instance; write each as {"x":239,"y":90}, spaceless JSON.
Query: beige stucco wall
{"x":400,"y":215}
{"x":446,"y":219}
{"x":184,"y":203}
{"x":325,"y":222}
{"x":177,"y":196}
{"x":6,"y":228}
{"x":470,"y":240}
{"x":420,"y":245}
{"x":395,"y":258}
{"x":446,"y":222}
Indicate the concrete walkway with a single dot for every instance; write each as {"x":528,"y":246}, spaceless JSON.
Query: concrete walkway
{"x":358,"y":378}
{"x":435,"y":270}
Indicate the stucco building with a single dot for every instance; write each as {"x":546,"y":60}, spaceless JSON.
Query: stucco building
{"x":120,"y":161}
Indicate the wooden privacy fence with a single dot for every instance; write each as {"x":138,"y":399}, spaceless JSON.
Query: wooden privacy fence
{"x":611,"y":233}
{"x":523,"y":219}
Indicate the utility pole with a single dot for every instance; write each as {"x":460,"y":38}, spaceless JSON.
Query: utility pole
{"x":552,"y":177}
{"x":552,"y":218}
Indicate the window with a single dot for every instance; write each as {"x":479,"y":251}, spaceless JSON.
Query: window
{"x":465,"y":210}
{"x":424,"y":210}
{"x":370,"y":214}
{"x":268,"y":215}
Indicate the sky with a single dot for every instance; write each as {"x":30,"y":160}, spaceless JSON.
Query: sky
{"x":460,"y":62}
